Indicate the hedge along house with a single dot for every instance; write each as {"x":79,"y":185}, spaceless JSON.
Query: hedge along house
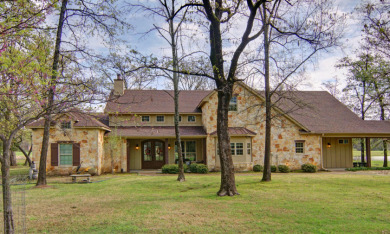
{"x":307,"y":127}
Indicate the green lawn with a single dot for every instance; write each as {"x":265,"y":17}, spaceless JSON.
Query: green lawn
{"x":294,"y":202}
{"x":357,"y":153}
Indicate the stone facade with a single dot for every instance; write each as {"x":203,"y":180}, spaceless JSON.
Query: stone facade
{"x":91,"y":148}
{"x":251,"y":115}
{"x":102,"y":152}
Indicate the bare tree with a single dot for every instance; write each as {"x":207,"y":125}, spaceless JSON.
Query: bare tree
{"x":90,"y":18}
{"x":294,"y":31}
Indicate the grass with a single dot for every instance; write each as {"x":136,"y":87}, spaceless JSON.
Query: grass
{"x":357,"y":153}
{"x":294,"y":202}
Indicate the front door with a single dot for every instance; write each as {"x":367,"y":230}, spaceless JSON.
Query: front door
{"x":153,"y":154}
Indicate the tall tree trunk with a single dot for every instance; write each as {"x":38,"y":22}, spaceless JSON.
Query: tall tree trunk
{"x":382,"y":107}
{"x":362,"y":149}
{"x":13,"y":159}
{"x":172,"y":33}
{"x":267,"y":149}
{"x":50,"y":98}
{"x":228,"y":183}
{"x":5,"y":178}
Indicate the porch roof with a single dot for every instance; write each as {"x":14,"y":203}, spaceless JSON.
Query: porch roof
{"x":238,"y":131}
{"x":157,"y":131}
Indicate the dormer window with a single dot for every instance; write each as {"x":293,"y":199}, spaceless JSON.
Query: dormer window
{"x":66,"y":125}
{"x":233,"y":104}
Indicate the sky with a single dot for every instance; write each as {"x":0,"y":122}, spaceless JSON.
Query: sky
{"x":322,"y":70}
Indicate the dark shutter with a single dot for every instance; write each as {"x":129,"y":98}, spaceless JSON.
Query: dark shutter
{"x":54,"y":154}
{"x":76,"y":154}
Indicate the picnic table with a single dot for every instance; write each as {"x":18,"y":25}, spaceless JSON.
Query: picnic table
{"x":74,"y":177}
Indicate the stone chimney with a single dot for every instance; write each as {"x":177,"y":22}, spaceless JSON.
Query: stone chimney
{"x":119,"y":86}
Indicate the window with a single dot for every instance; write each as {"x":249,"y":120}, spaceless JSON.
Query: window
{"x":160,"y":118}
{"x":188,"y":150}
{"x":66,"y":125}
{"x":248,"y":148}
{"x":191,"y":118}
{"x":179,"y":118}
{"x":299,"y":147}
{"x":343,"y":141}
{"x":237,"y":148}
{"x":233,"y":104}
{"x":145,"y":118}
{"x":66,"y":154}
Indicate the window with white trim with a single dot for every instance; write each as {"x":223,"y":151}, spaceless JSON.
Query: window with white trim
{"x":233,"y":104}
{"x":299,"y":147}
{"x":66,"y":154}
{"x":188,"y":150}
{"x":237,"y":148}
{"x":66,"y":125}
{"x":248,"y":148}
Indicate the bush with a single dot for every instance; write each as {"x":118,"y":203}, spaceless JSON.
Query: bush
{"x":258,"y":168}
{"x":307,"y":167}
{"x":202,"y":169}
{"x":170,"y":169}
{"x":198,"y":168}
{"x":193,"y":167}
{"x":367,"y":168}
{"x":284,"y":168}
{"x":273,"y":168}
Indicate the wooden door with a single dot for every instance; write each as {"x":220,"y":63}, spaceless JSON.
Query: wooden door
{"x":337,"y":152}
{"x":153,"y":156}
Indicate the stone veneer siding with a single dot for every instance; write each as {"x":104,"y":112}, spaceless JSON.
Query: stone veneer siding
{"x":251,"y":115}
{"x":91,"y":148}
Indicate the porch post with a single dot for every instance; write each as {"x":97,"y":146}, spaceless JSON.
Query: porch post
{"x":128,"y":155}
{"x":204,"y":151}
{"x":166,"y":153}
{"x":368,"y":151}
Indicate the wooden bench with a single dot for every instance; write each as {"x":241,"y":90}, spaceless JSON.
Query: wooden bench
{"x":74,"y":177}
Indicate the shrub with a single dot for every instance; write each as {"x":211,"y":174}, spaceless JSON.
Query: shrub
{"x":193,"y":167}
{"x":273,"y":168}
{"x":307,"y":167}
{"x":202,"y":169}
{"x":258,"y":168}
{"x":284,"y":168}
{"x":170,"y":169}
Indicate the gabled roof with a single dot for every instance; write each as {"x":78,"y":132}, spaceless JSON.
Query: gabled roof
{"x":81,"y":120}
{"x":155,"y":101}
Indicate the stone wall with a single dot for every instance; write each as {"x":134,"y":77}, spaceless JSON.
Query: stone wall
{"x":91,"y":150}
{"x":251,"y":115}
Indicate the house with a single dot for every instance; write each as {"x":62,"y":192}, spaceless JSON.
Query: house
{"x":136,"y":131}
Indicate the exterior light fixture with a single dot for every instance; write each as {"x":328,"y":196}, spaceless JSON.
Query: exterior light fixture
{"x":136,"y":147}
{"x":169,"y":146}
{"x":329,"y":145}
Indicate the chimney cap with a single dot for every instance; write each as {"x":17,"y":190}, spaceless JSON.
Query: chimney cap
{"x":118,"y":76}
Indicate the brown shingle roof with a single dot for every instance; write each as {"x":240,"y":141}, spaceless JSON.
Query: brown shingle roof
{"x":80,"y":120}
{"x":165,"y":131}
{"x":320,"y":112}
{"x":237,"y":131}
{"x":155,"y":101}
